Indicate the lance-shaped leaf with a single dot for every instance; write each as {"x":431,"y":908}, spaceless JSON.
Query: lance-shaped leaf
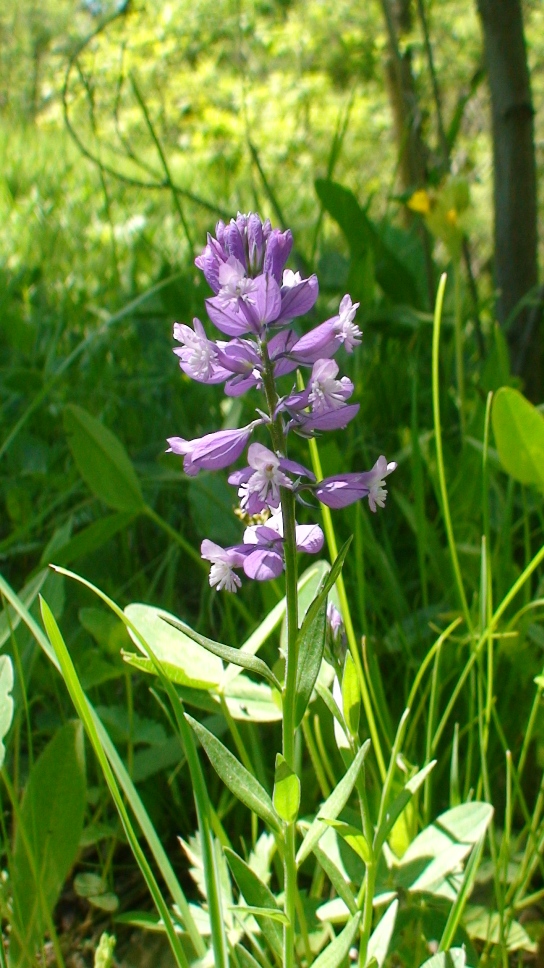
{"x":400,"y":803}
{"x":333,"y":805}
{"x":258,"y":895}
{"x":328,"y":582}
{"x":236,"y":656}
{"x":311,"y":643}
{"x":261,"y":912}
{"x":102,"y":461}
{"x":353,"y":837}
{"x":333,"y":956}
{"x":379,"y":942}
{"x":236,"y":777}
{"x":286,"y":796}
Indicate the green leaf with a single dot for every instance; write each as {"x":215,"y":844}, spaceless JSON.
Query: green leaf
{"x":454,"y":958}
{"x":379,"y":942}
{"x":326,"y":586}
{"x":6,"y":701}
{"x":47,"y":837}
{"x":332,"y":806}
{"x":257,"y":894}
{"x":245,"y":959}
{"x":361,"y":234}
{"x":351,"y":695}
{"x":333,"y":956}
{"x":93,"y":537}
{"x":261,"y":912}
{"x":286,"y":796}
{"x":519,"y":434}
{"x":175,"y":650}
{"x":235,"y":776}
{"x":399,"y":804}
{"x":102,"y":461}
{"x":226,"y":652}
{"x":353,"y":837}
{"x":311,"y":643}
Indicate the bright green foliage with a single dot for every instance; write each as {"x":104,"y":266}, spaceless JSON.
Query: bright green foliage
{"x":519,"y":432}
{"x":286,"y":796}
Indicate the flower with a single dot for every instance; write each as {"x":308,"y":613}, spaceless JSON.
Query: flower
{"x":345,"y":489}
{"x":213,"y":451}
{"x":199,"y":356}
{"x":255,"y":299}
{"x":224,"y":560}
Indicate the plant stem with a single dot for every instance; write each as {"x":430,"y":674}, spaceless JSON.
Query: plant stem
{"x":346,"y":614}
{"x":440,"y":455}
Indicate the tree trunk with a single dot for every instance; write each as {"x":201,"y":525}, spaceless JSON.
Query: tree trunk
{"x":515,"y":202}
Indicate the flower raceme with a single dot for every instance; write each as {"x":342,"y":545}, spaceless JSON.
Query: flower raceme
{"x":255,"y":301}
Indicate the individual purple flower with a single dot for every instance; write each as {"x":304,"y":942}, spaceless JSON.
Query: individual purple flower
{"x":345,"y":489}
{"x":259,"y":483}
{"x":213,"y":451}
{"x":198,"y":357}
{"x":323,"y":391}
{"x":264,"y":484}
{"x":224,"y":560}
{"x":325,"y":340}
{"x":235,"y":285}
{"x":306,"y":424}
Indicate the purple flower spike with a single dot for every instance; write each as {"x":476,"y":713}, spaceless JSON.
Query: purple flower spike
{"x":213,"y":451}
{"x":278,"y":250}
{"x":345,"y":489}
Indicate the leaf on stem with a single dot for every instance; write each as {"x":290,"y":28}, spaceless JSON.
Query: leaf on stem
{"x":332,"y":806}
{"x":258,"y":895}
{"x":225,"y":652}
{"x":235,"y":776}
{"x":286,"y":796}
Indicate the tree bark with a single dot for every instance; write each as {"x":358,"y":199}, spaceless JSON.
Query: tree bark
{"x":515,"y":193}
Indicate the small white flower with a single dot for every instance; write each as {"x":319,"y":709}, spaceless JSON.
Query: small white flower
{"x":328,"y":393}
{"x":347,"y":331}
{"x":223,"y":577}
{"x":199,"y":353}
{"x":378,"y":492}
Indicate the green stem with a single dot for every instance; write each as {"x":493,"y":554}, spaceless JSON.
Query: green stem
{"x":440,"y":455}
{"x":344,"y":608}
{"x":458,"y":331}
